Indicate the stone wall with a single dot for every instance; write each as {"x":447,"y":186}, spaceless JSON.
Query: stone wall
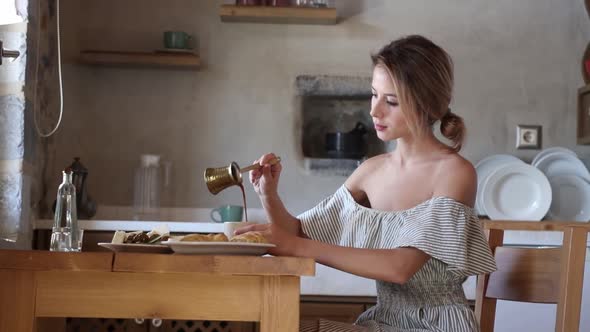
{"x":13,"y":213}
{"x":28,"y":94}
{"x":515,"y":63}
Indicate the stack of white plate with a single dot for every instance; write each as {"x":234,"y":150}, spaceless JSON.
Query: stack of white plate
{"x":556,"y":185}
{"x":570,"y":184}
{"x":509,"y":189}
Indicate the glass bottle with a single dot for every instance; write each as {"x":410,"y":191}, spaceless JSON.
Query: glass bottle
{"x":65,"y":235}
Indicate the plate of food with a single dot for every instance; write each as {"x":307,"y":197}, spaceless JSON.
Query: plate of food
{"x":251,"y":243}
{"x":139,"y":241}
{"x":136,"y":247}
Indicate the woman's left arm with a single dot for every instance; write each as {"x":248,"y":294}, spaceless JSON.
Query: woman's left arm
{"x":391,"y":265}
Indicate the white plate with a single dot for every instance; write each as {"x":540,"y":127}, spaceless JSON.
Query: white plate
{"x":571,"y":198}
{"x":219,"y":248}
{"x":136,"y":247}
{"x":484,"y":168}
{"x":551,"y":150}
{"x":561,"y":163}
{"x":517,"y":192}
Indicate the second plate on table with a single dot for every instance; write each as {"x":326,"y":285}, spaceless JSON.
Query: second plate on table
{"x":219,"y":248}
{"x":517,"y":192}
{"x":571,"y":198}
{"x":136,"y":247}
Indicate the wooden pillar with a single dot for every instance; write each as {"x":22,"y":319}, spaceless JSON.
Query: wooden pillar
{"x":571,"y":279}
{"x":280,"y":304}
{"x":486,"y":319}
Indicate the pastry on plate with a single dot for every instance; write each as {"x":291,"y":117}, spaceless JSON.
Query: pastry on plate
{"x":139,"y":237}
{"x":250,"y":237}
{"x":214,"y":237}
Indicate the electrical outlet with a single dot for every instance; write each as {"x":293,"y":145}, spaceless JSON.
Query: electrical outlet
{"x":528,"y":137}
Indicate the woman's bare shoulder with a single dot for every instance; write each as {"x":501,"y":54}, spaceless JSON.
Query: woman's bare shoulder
{"x":456,"y":179}
{"x":357,"y":180}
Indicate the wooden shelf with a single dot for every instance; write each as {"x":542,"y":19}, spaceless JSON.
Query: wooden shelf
{"x":282,"y":15}
{"x":140,"y":59}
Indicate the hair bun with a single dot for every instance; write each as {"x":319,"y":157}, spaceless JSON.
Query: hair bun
{"x":447,"y":114}
{"x":453,"y":128}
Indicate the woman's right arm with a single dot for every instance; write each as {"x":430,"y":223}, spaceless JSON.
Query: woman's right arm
{"x":265,"y":181}
{"x":278,"y":214}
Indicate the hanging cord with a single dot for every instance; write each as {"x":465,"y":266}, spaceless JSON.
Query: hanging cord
{"x":61,"y":93}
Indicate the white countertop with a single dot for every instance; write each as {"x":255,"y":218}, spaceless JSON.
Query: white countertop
{"x":180,"y":220}
{"x":136,"y":225}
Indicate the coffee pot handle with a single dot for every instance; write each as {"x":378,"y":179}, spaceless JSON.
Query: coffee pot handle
{"x":256,"y":166}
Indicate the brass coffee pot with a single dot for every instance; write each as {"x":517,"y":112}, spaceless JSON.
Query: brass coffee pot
{"x":220,"y":178}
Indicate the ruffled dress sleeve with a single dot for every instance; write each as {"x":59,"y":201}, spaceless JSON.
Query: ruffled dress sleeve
{"x":326,"y":222}
{"x":442,"y":227}
{"x":448,"y":231}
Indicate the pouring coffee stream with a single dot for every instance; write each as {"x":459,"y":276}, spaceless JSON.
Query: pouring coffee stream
{"x":219,"y":178}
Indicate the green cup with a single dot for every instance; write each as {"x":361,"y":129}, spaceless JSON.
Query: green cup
{"x":176,"y":39}
{"x":227,"y":213}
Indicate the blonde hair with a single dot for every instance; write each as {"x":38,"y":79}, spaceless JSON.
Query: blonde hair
{"x":422,"y":73}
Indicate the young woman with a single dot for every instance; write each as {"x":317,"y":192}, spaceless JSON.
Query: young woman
{"x":403,"y":218}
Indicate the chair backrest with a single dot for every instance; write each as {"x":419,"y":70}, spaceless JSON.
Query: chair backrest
{"x":541,"y":275}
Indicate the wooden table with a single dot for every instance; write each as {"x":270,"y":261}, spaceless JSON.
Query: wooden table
{"x":37,"y":284}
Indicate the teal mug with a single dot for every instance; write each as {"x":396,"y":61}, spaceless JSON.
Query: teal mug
{"x":227,"y":213}
{"x":176,"y":39}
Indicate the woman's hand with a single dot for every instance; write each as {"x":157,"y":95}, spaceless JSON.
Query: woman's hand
{"x":266,"y":179}
{"x":285,"y":243}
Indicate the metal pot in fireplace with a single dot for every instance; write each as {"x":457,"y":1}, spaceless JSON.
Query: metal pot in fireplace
{"x":347,"y":145}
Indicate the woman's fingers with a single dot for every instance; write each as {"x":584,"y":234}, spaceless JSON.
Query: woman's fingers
{"x":251,"y":228}
{"x":276,"y":169}
{"x":266,"y":171}
{"x":243,"y":230}
{"x":255,"y":175}
{"x":267,"y":158}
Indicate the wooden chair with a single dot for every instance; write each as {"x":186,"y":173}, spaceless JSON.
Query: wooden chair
{"x":540,"y":275}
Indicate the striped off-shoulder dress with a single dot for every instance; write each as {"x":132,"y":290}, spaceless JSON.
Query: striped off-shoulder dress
{"x":433,"y":299}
